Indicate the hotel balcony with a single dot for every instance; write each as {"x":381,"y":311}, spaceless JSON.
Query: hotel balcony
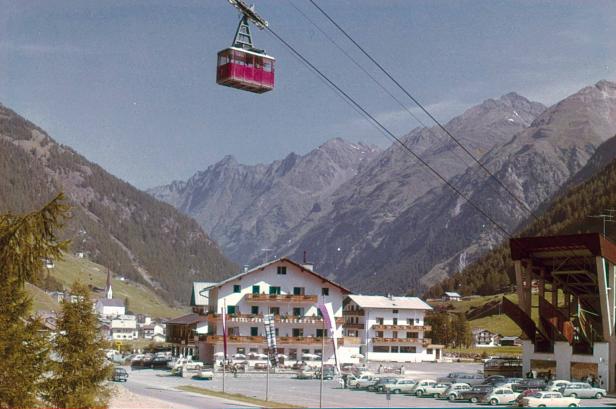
{"x":281,"y":298}
{"x":424,"y":341}
{"x":358,"y":312}
{"x":245,"y":339}
{"x":413,"y":328}
{"x":348,"y":325}
{"x":284,"y":319}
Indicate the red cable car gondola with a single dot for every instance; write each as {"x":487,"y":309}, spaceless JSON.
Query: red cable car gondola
{"x":243,"y":66}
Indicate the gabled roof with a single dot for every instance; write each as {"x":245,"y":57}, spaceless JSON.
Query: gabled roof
{"x":285,"y":260}
{"x":199,"y":291}
{"x":114,"y":302}
{"x":188,"y":319}
{"x":452,"y":294}
{"x":380,"y":301}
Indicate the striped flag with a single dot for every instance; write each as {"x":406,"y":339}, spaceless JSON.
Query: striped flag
{"x":327,"y":312}
{"x":224,"y":328}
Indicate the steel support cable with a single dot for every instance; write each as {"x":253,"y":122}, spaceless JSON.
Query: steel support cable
{"x":365,"y":71}
{"x":388,"y":132}
{"x":420,"y":105}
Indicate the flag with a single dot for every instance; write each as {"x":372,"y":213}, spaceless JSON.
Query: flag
{"x":224,"y":329}
{"x":270,"y":336}
{"x":330,"y":323}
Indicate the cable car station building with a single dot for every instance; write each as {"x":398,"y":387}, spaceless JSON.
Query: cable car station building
{"x":569,"y":324}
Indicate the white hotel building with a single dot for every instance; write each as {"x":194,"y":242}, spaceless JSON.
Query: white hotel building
{"x":286,"y":289}
{"x":390,"y":328}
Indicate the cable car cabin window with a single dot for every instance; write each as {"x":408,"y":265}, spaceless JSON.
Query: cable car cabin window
{"x":224,"y":58}
{"x":267,"y":66}
{"x":238,"y":58}
{"x":249,"y":60}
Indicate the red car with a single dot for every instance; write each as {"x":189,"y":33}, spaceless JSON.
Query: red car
{"x":518,"y":402}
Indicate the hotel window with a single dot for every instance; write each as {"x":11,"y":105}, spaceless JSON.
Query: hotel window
{"x":395,"y":321}
{"x":275,"y":310}
{"x":254,"y":309}
{"x":255,"y":350}
{"x":254,"y":331}
{"x":230,"y":309}
{"x":410,"y":321}
{"x":325,"y":291}
{"x":429,"y":351}
{"x":417,"y":321}
{"x":412,"y":335}
{"x":274,"y":290}
{"x":237,"y":288}
{"x":394,"y":334}
{"x":380,"y":348}
{"x":256,"y":289}
{"x":298,"y":311}
{"x":317,"y":352}
{"x":241,"y":350}
{"x":395,"y":349}
{"x":380,"y":321}
{"x":298,"y":290}
{"x":282,"y":270}
{"x":395,"y":311}
{"x":321,"y":332}
{"x":305,"y":351}
{"x":298,"y":332}
{"x":408,"y":350}
{"x":379,"y":334}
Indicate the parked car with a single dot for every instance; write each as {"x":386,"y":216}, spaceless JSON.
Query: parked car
{"x":582,"y":390}
{"x":556,"y":385}
{"x":549,"y":399}
{"x":495,"y":380}
{"x":500,"y":396}
{"x":306,"y":374}
{"x":462,"y":377}
{"x":354,"y":380}
{"x":429,"y":387}
{"x":538,"y":384}
{"x":522,"y":395}
{"x":476,"y":393}
{"x":381,"y":382}
{"x":328,"y":372}
{"x":119,"y":375}
{"x":455,"y":389}
{"x":401,"y":385}
{"x":204,"y":375}
{"x":159,"y":362}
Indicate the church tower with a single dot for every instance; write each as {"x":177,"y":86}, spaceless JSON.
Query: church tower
{"x":108,"y":290}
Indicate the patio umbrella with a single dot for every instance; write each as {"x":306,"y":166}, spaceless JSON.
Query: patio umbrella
{"x":358,"y":356}
{"x":283,"y":356}
{"x":310,"y":356}
{"x":239,"y":356}
{"x":219,"y":354}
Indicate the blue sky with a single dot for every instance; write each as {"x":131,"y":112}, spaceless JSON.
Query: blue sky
{"x":131,"y":84}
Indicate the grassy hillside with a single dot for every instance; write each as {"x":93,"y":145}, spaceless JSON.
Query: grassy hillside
{"x":141,"y":299}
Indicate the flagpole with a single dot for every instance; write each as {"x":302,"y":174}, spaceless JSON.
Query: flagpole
{"x":267,"y":375}
{"x":322,"y":357}
{"x":224,"y":339}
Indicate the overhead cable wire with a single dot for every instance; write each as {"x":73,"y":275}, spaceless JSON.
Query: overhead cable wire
{"x":387,"y":131}
{"x":426,"y":111}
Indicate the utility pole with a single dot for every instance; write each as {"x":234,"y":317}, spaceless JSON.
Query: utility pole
{"x":606,"y":217}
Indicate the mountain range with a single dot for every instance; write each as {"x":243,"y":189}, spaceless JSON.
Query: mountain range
{"x":115,"y":224}
{"x":379,"y":221}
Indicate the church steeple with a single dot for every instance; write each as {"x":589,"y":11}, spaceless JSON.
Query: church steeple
{"x":108,"y":290}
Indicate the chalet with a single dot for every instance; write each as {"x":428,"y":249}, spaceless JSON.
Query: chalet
{"x":485,"y":338}
{"x":451,"y":296}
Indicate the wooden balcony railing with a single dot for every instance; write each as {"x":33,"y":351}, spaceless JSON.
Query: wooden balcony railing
{"x":289,"y":319}
{"x":245,"y":339}
{"x":354,"y":313}
{"x":410,"y":328}
{"x":281,"y":297}
{"x":380,"y":340}
{"x":349,"y":325}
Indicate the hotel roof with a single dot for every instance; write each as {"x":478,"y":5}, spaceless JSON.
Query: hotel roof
{"x":380,"y":301}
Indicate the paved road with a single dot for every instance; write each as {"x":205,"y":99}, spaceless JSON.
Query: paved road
{"x":285,"y":389}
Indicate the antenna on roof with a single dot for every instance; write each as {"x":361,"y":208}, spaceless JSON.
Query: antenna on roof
{"x":305,"y":256}
{"x":607,"y":217}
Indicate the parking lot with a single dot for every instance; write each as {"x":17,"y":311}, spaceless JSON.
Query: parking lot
{"x":284,"y":388}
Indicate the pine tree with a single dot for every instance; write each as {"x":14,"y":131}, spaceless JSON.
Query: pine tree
{"x":462,"y":331}
{"x":81,"y":372}
{"x":24,"y":242}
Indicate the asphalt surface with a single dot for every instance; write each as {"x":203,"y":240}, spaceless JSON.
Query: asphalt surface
{"x":285,"y":389}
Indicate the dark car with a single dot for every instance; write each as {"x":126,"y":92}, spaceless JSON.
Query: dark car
{"x":538,"y":384}
{"x":462,"y":377}
{"x":328,"y":372}
{"x":476,"y":393}
{"x":159,"y":362}
{"x":381,"y":382}
{"x":495,"y":380}
{"x":119,"y":375}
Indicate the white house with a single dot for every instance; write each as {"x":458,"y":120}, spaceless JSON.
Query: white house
{"x":390,"y":328}
{"x":451,"y":296}
{"x":110,"y":308}
{"x":148,"y":331}
{"x":124,"y":328}
{"x":286,"y":289}
{"x":484,"y":338}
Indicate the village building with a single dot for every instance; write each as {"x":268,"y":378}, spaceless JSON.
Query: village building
{"x":149,"y":331}
{"x":390,"y":328}
{"x":183,"y":333}
{"x":290,"y":292}
{"x":109,"y":307}
{"x":451,"y":296}
{"x":124,"y":327}
{"x":573,"y":335}
{"x":485,"y":338}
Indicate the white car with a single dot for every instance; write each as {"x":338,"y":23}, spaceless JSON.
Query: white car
{"x":556,"y":386}
{"x":354,"y":380}
{"x":500,"y":396}
{"x":453,"y":392}
{"x":549,"y":399}
{"x":428,"y":387}
{"x":401,"y":385}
